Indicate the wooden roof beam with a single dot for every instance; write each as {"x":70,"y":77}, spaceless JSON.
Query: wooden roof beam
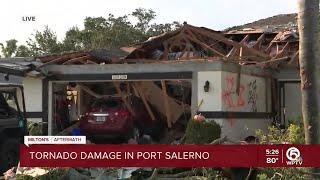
{"x":294,"y":58}
{"x":282,"y":51}
{"x":257,"y":45}
{"x":205,"y":46}
{"x":225,"y":40}
{"x":75,"y":60}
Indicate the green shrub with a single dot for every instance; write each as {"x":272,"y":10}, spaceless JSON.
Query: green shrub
{"x":293,"y":134}
{"x":202,"y":132}
{"x":34,"y":129}
{"x":53,"y":174}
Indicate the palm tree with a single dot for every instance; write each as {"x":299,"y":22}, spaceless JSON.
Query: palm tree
{"x":308,"y":27}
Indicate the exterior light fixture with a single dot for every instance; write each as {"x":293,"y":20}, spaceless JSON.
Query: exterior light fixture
{"x":6,"y":77}
{"x":206,"y":86}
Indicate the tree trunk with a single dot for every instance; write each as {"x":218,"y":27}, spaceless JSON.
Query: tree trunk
{"x":308,"y":28}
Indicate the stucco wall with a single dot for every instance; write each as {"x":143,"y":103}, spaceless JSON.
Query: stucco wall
{"x":33,"y":95}
{"x":12,"y":79}
{"x":253,"y":97}
{"x":211,"y":100}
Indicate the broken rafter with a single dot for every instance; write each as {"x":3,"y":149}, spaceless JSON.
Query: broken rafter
{"x":205,"y":46}
{"x":168,"y":43}
{"x":257,"y":44}
{"x":50,"y":62}
{"x":259,"y":55}
{"x":128,"y":106}
{"x":78,"y":59}
{"x":166,"y":103}
{"x":294,"y":58}
{"x":166,"y":51}
{"x":69,"y":55}
{"x":245,"y":39}
{"x":175,"y":39}
{"x":90,"y":62}
{"x":138,"y":90}
{"x":234,"y":50}
{"x":268,"y":49}
{"x":281,"y":53}
{"x":275,"y":60}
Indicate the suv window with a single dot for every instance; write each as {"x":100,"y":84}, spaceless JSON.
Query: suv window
{"x":8,"y":106}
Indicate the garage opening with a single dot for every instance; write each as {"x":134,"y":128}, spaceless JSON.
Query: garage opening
{"x":117,"y":111}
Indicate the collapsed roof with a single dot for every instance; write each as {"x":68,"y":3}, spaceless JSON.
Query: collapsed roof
{"x":97,"y":56}
{"x":190,"y":42}
{"x":282,"y":47}
{"x":257,"y":46}
{"x":277,"y":36}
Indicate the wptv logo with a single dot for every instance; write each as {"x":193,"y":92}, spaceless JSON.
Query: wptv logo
{"x":294,"y":156}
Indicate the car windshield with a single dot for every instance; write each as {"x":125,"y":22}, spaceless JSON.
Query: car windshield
{"x":105,"y":103}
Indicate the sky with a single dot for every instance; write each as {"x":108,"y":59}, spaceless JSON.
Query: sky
{"x":60,"y":15}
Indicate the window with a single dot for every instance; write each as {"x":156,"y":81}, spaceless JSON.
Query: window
{"x":8,"y":105}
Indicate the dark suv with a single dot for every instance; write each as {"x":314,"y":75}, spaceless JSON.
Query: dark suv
{"x":12,"y":124}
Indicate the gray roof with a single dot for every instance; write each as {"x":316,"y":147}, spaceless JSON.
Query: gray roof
{"x":17,"y":66}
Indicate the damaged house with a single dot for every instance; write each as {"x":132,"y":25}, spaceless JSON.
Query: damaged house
{"x":242,"y":79}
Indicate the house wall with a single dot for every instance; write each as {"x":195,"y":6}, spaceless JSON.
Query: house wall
{"x":253,"y":97}
{"x":12,"y":79}
{"x":211,"y":100}
{"x":201,"y":71}
{"x":33,"y":96}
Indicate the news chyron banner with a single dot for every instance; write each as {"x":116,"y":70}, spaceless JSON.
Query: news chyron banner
{"x":126,"y":155}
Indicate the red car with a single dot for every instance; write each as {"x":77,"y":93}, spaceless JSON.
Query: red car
{"x":107,"y":117}
{"x":110,"y":118}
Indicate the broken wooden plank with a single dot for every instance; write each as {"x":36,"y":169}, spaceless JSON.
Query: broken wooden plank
{"x":227,"y":41}
{"x":166,"y":103}
{"x":135,"y":91}
{"x":145,"y":102}
{"x":50,"y":62}
{"x":154,"y":96}
{"x":294,"y":58}
{"x":257,"y":44}
{"x":245,"y":39}
{"x":90,"y":62}
{"x":206,"y":46}
{"x":166,"y":51}
{"x":124,"y":99}
{"x":75,"y":60}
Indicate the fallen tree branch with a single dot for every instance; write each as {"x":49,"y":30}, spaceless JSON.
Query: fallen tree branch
{"x":249,"y":174}
{"x":178,"y":175}
{"x":313,"y":174}
{"x":154,"y":174}
{"x":222,"y":140}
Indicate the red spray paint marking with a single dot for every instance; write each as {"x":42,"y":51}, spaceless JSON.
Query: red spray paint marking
{"x":230,"y":91}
